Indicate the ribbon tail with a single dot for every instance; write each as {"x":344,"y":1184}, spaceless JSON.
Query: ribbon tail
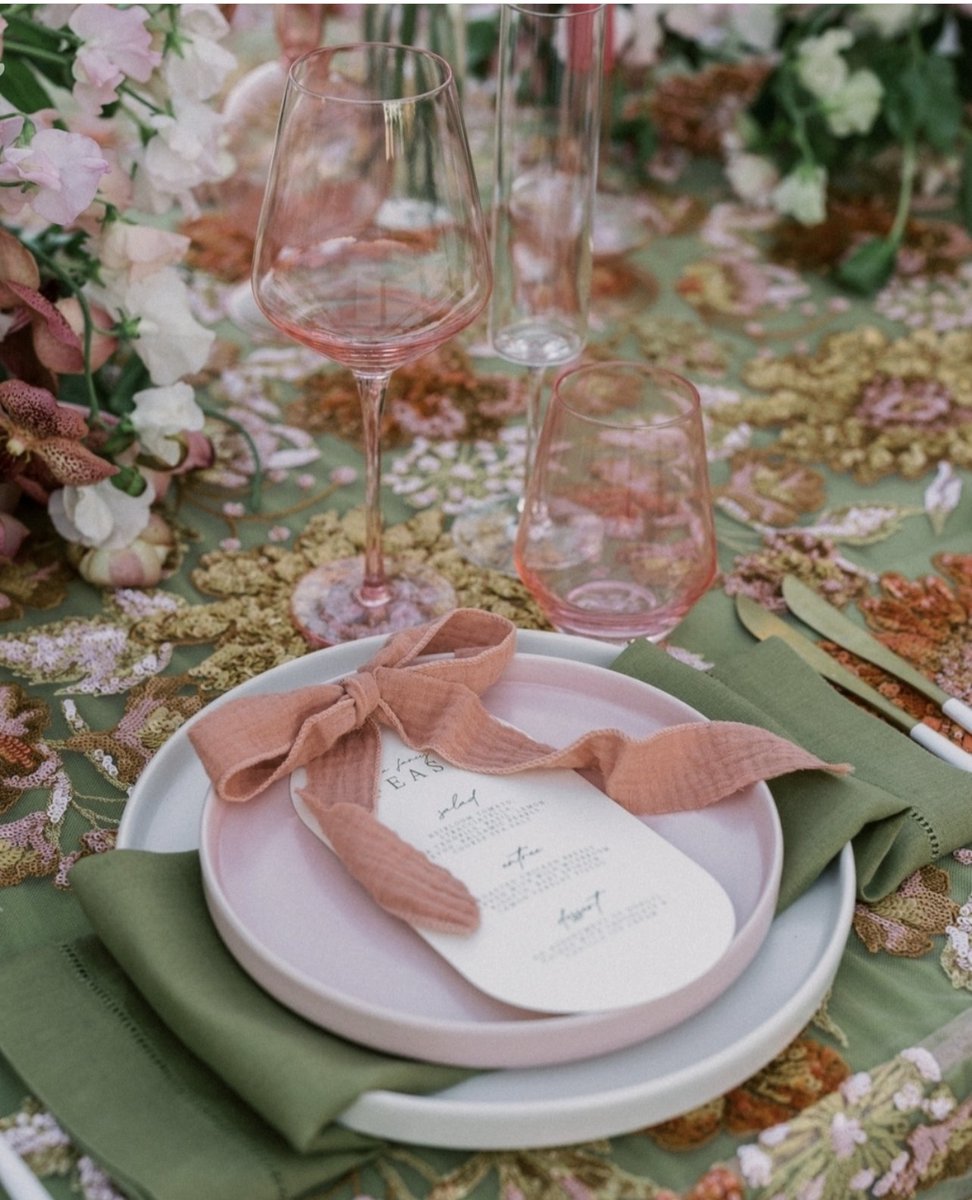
{"x":693,"y":765}
{"x":398,"y":877}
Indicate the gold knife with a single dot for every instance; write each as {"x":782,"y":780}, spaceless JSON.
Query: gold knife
{"x":763,"y":624}
{"x":811,"y":608}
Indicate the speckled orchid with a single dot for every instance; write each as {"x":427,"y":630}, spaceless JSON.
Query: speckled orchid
{"x":41,"y":442}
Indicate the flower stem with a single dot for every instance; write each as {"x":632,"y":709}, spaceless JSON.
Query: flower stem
{"x":35,"y":52}
{"x":908,"y":165}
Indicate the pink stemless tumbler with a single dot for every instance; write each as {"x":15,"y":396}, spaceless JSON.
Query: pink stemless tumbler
{"x":616,"y":540}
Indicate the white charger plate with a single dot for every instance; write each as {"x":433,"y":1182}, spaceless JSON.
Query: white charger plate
{"x":601,"y":1096}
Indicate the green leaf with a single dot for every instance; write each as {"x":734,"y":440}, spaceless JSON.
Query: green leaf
{"x":129,"y":480}
{"x":19,"y":86}
{"x":941,"y":106}
{"x":868,"y":267}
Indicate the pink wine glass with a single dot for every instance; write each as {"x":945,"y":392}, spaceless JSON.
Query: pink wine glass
{"x":617,"y":539}
{"x":371,"y":250}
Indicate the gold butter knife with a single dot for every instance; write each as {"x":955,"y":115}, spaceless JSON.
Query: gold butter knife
{"x":763,"y":624}
{"x":828,"y":621}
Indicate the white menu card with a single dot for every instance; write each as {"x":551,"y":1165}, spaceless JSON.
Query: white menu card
{"x":582,"y":906}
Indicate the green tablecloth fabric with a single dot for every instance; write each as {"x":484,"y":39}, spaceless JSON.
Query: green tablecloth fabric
{"x":182,"y":1077}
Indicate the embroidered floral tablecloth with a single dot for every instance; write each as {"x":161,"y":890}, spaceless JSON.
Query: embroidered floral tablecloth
{"x":840,"y":439}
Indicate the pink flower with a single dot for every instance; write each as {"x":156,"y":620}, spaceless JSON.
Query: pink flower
{"x":65,"y":167}
{"x":116,"y":44}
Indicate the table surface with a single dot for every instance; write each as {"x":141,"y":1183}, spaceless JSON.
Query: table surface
{"x":840,"y":438}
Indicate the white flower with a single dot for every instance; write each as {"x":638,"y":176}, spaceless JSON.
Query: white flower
{"x":185,"y":152}
{"x":752,"y":177}
{"x":846,"y":1135}
{"x":924,"y":1062}
{"x":819,"y":65}
{"x":137,"y":251}
{"x":100,"y":515}
{"x":756,"y":1166}
{"x":862,"y":1180}
{"x":939,"y":1107}
{"x":160,"y":415}
{"x":802,"y":194}
{"x":908,"y":1098}
{"x":201,"y":67}
{"x":637,"y":34}
{"x":853,"y":108}
{"x":170,"y":341}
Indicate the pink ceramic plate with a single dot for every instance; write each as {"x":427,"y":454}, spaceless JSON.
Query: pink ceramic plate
{"x":303,"y":929}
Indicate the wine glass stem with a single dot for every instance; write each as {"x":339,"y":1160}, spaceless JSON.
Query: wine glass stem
{"x":372,"y":390}
{"x":534,"y":420}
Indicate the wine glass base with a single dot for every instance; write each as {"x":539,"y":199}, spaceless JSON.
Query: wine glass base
{"x":327,"y":608}
{"x":485,"y":536}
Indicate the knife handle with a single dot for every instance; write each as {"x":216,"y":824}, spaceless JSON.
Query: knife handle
{"x":960,"y":713}
{"x":940,"y":746}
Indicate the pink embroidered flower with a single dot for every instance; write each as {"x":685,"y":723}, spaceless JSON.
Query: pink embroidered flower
{"x":888,"y":400}
{"x":116,"y":44}
{"x":64,"y":167}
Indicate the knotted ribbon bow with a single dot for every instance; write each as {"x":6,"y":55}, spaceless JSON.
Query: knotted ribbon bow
{"x":332,"y":730}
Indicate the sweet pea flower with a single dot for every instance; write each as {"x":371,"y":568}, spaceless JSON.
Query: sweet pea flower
{"x":802,"y":194}
{"x":99,"y":515}
{"x":170,"y":341}
{"x":853,"y":108}
{"x":64,"y":167}
{"x":137,"y":251}
{"x":819,"y":65}
{"x":161,"y":414}
{"x":115,"y":44}
{"x":202,"y":66}
{"x":186,"y":151}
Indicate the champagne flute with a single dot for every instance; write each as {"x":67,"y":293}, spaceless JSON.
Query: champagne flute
{"x":545,"y":179}
{"x":617,"y":538}
{"x":371,"y":250}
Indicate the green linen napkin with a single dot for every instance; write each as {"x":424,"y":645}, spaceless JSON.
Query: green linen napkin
{"x":167,"y":1064}
{"x":901,"y":808}
{"x":182,"y":1078}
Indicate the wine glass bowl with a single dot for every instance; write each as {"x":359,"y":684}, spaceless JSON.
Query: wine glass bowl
{"x":616,"y":539}
{"x":371,"y":250}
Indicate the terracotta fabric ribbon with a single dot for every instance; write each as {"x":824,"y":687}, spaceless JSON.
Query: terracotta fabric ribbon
{"x":332,"y":730}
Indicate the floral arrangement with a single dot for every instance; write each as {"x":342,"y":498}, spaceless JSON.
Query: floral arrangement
{"x":107,"y":128}
{"x":805,"y":102}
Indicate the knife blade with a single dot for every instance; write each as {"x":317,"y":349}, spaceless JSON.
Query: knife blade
{"x":828,"y":621}
{"x":763,"y":624}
